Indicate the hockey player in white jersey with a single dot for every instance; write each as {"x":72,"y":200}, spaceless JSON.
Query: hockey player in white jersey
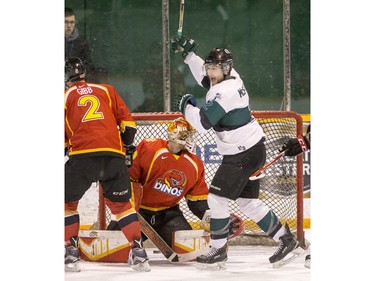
{"x":240,"y":139}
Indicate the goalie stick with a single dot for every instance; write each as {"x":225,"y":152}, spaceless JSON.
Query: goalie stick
{"x":257,"y":174}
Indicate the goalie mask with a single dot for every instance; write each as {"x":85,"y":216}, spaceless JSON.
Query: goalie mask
{"x":182,"y":133}
{"x":222,"y":57}
{"x":74,"y":69}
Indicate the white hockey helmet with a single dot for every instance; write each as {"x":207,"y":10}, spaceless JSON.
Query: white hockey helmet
{"x":181,"y":132}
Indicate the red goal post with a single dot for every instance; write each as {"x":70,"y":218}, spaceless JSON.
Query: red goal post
{"x":281,"y":188}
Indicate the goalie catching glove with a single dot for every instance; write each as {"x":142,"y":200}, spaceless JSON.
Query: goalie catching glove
{"x":182,"y":101}
{"x":184,"y":45}
{"x":236,"y":224}
{"x":295,"y":146}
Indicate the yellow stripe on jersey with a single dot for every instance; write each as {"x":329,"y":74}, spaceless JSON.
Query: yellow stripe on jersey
{"x":196,"y":197}
{"x":157,"y":154}
{"x":125,"y":214}
{"x":106,"y":149}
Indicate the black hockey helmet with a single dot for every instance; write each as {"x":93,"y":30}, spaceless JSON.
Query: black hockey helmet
{"x":74,"y":68}
{"x":221,"y":56}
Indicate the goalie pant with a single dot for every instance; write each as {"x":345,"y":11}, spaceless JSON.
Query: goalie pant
{"x":171,"y":220}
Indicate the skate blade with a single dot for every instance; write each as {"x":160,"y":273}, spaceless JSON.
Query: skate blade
{"x":211,"y":266}
{"x":289,"y":257}
{"x":72,"y":267}
{"x":142,"y":267}
{"x":307,"y":264}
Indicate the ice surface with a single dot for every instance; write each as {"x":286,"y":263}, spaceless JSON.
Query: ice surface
{"x":244,"y":263}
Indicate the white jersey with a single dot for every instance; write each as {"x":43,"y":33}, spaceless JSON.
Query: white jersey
{"x":227,"y":111}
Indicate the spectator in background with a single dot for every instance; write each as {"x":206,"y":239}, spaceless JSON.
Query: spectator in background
{"x":75,"y":44}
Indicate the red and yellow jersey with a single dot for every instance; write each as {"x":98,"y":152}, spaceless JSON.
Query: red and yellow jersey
{"x":94,"y":116}
{"x":166,"y":177}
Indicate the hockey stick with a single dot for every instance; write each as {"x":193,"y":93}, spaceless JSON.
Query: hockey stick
{"x":164,"y":248}
{"x":181,"y":19}
{"x":257,"y":174}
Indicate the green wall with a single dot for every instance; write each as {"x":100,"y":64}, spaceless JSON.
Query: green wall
{"x":126,"y":42}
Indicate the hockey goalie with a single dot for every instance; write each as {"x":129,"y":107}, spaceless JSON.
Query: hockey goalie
{"x":164,"y":172}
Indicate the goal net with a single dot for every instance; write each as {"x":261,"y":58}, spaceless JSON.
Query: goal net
{"x":281,"y":187}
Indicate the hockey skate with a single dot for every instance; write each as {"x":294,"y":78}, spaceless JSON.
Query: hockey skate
{"x":214,"y":260}
{"x":307,"y":261}
{"x":72,"y":259}
{"x":288,"y":250}
{"x":138,"y":259}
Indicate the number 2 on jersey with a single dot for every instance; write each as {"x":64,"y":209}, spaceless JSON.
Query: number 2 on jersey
{"x":92,"y":113}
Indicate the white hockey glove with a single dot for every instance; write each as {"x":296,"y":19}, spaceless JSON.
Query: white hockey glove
{"x":191,"y":146}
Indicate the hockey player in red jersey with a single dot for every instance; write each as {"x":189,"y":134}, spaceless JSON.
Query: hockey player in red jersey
{"x":168,"y":171}
{"x":99,"y":130}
